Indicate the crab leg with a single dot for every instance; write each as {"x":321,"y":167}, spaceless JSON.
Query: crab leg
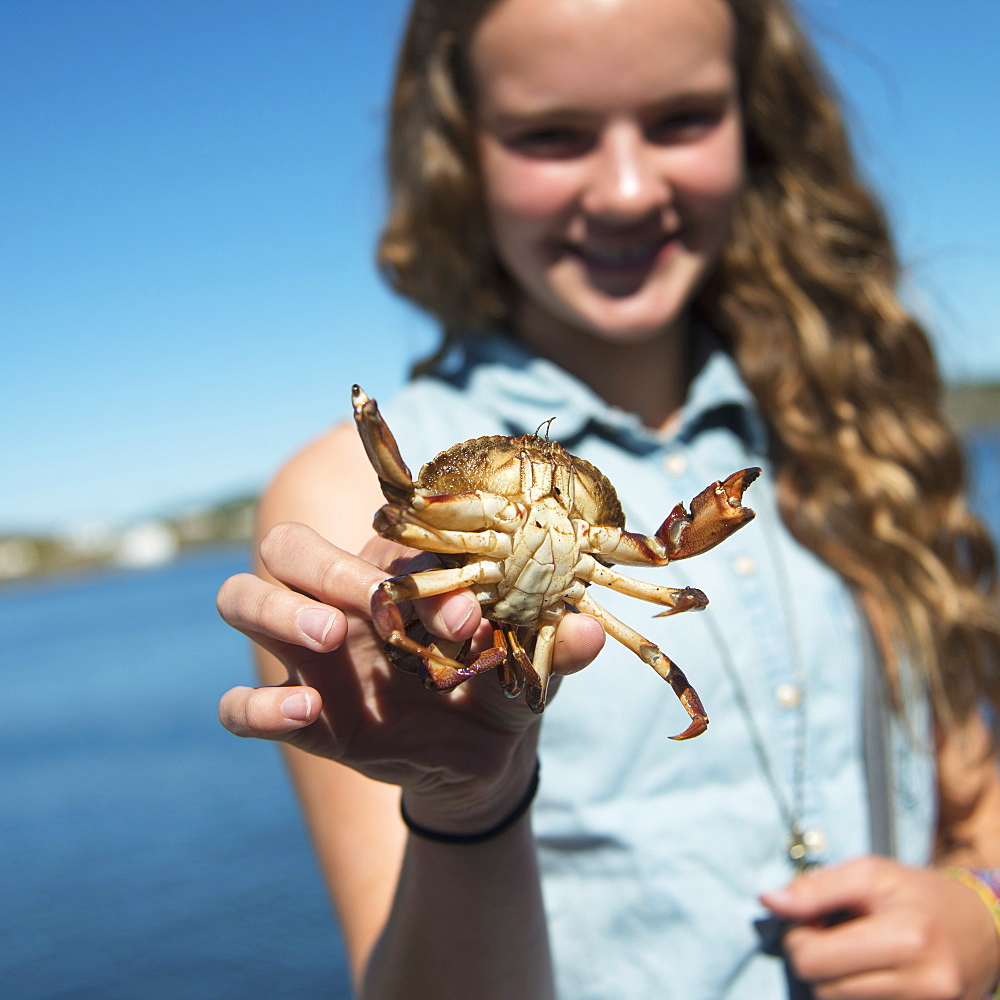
{"x":438,"y":581}
{"x":517,"y":655}
{"x":676,"y":600}
{"x":651,"y":654}
{"x":442,"y":671}
{"x":401,"y":526}
{"x":509,"y":670}
{"x":393,"y":475}
{"x":411,"y":663}
{"x":473,"y":510}
{"x":716,"y":513}
{"x":444,"y":674}
{"x":537,"y":682}
{"x":536,"y":669}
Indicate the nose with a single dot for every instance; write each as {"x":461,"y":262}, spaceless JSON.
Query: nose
{"x":627,"y":179}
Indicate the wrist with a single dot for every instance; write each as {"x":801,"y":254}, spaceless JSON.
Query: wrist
{"x":483,"y":834}
{"x":985,"y":883}
{"x":473,"y":811}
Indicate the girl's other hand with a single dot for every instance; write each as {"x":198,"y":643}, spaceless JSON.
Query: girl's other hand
{"x":915,"y":933}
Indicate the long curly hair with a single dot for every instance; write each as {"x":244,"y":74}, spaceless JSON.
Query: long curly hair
{"x":869,"y":477}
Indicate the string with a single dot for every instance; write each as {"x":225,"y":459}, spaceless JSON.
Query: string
{"x":789,"y":809}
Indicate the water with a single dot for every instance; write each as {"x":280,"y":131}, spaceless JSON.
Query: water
{"x":982,"y":448}
{"x":145,"y":851}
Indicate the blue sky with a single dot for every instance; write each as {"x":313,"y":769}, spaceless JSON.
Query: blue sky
{"x":191,"y":192}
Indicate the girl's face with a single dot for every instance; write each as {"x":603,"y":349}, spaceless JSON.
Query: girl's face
{"x":611,"y":147}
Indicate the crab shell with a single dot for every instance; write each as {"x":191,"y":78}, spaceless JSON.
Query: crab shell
{"x":528,"y":527}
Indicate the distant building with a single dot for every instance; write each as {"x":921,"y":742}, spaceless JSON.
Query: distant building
{"x":150,"y":543}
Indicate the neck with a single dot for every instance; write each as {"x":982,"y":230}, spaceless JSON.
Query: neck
{"x":647,"y":377}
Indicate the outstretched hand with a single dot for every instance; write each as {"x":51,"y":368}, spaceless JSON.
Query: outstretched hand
{"x":344,"y":701}
{"x":913,"y":933}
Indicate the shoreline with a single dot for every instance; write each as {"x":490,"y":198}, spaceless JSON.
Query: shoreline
{"x":972,"y":409}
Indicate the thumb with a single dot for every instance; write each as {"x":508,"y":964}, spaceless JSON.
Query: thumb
{"x":269,"y":713}
{"x":852,"y":888}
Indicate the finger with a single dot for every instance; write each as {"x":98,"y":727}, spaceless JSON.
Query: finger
{"x":301,"y":558}
{"x":854,"y":961}
{"x":396,"y":559}
{"x":458,"y":615}
{"x":455,"y":615}
{"x":849,"y":949}
{"x":885,"y":984}
{"x":853,"y":887}
{"x":910,"y":939}
{"x":260,"y":609}
{"x":270,"y":713}
{"x":579,"y":639}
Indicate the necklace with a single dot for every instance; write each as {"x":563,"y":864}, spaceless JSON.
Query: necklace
{"x":790,"y":807}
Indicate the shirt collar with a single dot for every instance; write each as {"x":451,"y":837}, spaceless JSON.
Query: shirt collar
{"x":718,"y":395}
{"x":526,"y":391}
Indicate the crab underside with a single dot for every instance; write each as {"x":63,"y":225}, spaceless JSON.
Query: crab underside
{"x":528,"y":527}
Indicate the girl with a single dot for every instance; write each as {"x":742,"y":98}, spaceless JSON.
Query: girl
{"x":640,"y":217}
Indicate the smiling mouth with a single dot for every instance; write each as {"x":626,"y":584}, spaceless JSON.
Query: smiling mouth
{"x":624,"y":258}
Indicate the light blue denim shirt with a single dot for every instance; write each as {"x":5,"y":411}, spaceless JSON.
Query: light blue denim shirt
{"x":654,"y":852}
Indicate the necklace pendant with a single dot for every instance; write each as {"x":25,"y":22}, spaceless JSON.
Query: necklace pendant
{"x":798,"y":851}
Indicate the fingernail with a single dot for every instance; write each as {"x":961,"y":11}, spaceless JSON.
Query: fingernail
{"x":456,"y":613}
{"x":776,"y":898}
{"x":296,"y":707}
{"x":316,"y":623}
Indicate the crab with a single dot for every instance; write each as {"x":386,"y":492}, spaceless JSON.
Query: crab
{"x":528,"y":527}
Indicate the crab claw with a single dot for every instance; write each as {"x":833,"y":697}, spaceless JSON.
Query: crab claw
{"x":393,"y":475}
{"x":687,"y":695}
{"x":716,"y":513}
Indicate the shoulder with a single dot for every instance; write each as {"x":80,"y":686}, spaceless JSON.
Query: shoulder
{"x":330,"y":486}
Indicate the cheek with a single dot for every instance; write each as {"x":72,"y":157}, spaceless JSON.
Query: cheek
{"x":522,"y":193}
{"x":711,"y":177}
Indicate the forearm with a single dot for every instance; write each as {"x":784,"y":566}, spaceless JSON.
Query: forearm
{"x":467,"y":921}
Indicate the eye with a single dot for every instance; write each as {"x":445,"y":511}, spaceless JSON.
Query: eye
{"x":685,"y":124}
{"x":550,"y":142}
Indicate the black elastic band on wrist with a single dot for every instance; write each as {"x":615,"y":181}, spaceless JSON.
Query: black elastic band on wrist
{"x":476,"y":838}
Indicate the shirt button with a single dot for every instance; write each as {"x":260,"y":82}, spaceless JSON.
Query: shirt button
{"x":675,"y":464}
{"x":788,"y":695}
{"x":744,"y":565}
{"x":815,"y":840}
